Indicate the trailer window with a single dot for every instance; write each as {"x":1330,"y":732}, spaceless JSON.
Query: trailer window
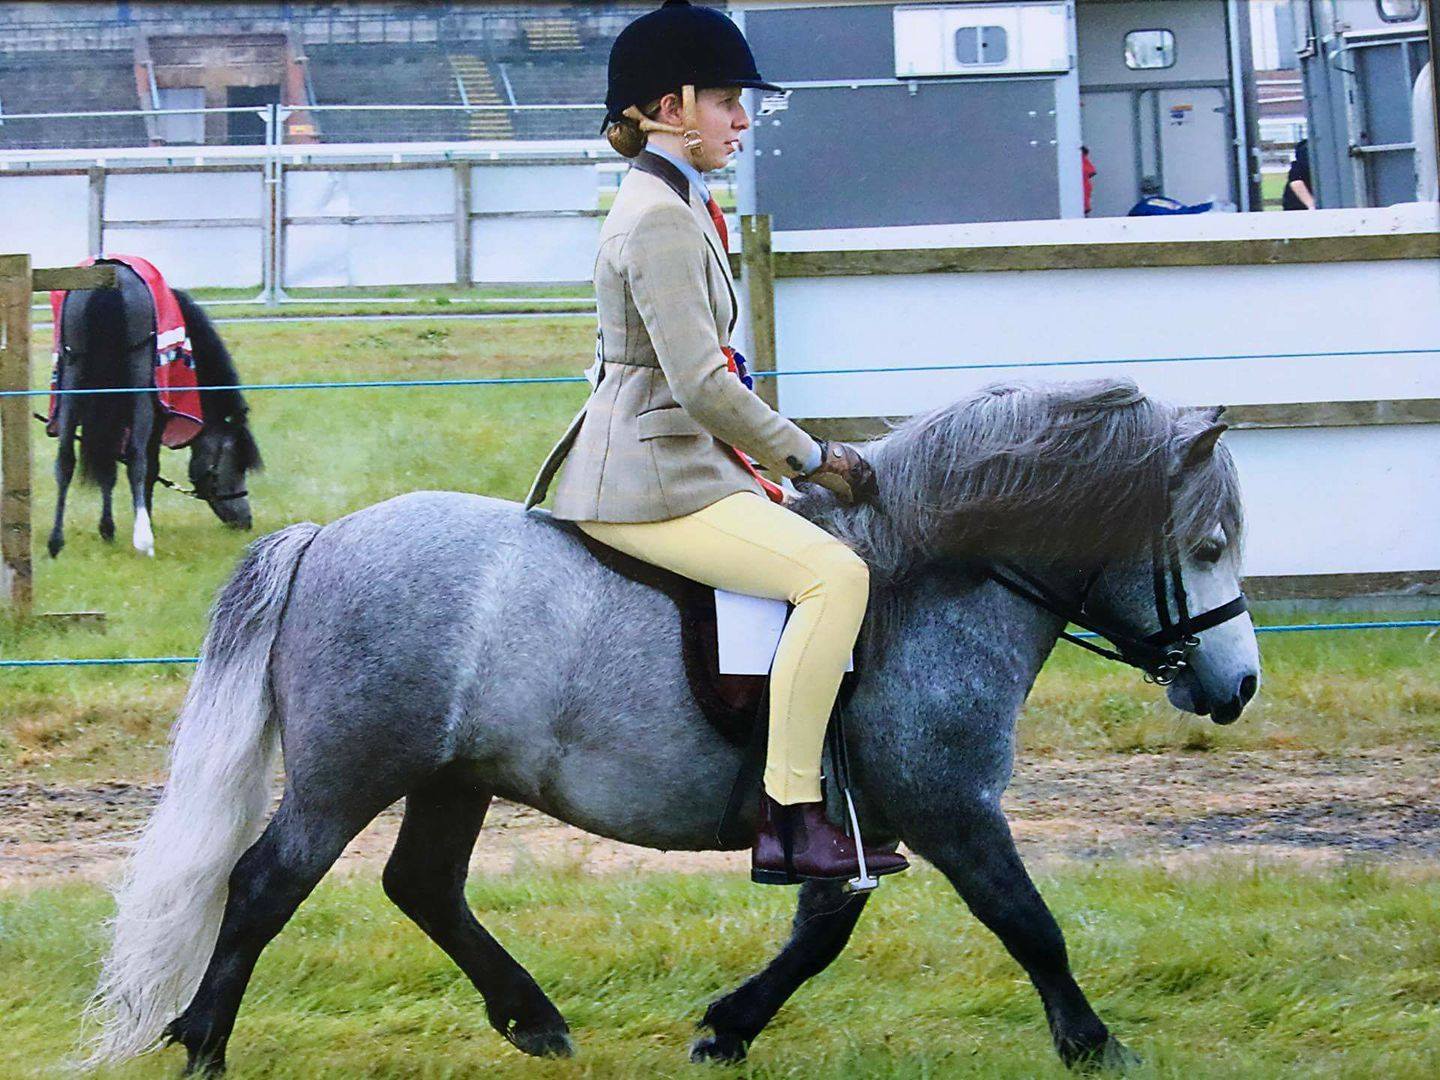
{"x":1146,"y":49}
{"x":1399,"y":10}
{"x":982,"y":45}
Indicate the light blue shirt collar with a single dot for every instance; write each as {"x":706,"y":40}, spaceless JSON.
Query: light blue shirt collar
{"x":689,"y":171}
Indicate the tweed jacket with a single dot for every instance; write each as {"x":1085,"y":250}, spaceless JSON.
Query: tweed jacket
{"x":653,"y":440}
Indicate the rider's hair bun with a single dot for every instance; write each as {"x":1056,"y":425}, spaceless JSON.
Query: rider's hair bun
{"x":626,"y":137}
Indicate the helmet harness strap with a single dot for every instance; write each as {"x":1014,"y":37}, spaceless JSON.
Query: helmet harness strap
{"x":690,"y":132}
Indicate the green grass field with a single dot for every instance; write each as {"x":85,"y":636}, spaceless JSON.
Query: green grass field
{"x":1231,"y":971}
{"x":331,"y":452}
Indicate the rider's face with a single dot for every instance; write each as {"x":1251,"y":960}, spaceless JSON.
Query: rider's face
{"x":720,"y":118}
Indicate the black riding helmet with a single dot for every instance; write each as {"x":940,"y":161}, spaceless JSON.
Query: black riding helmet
{"x":678,"y":44}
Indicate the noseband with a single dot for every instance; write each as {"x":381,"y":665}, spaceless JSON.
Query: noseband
{"x":1162,"y":655}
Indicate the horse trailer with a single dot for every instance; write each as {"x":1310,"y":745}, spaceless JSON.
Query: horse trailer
{"x":1360,"y":61}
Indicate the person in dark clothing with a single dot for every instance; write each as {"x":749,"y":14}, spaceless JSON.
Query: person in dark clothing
{"x":1298,"y":194}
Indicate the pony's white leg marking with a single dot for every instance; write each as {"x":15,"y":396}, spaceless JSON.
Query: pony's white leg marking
{"x":144,"y":538}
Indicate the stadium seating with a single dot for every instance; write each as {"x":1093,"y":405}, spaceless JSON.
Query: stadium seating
{"x":384,"y":75}
{"x":571,"y":81}
{"x":356,"y":53}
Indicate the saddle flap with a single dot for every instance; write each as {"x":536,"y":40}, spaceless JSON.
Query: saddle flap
{"x":749,"y":629}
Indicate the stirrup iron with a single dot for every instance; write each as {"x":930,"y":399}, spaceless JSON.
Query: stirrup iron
{"x":864,"y":882}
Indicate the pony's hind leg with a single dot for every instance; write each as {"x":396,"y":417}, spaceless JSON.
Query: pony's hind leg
{"x":137,"y":468}
{"x":300,"y":844}
{"x":425,"y":877}
{"x":824,"y":920}
{"x":980,"y":859}
{"x":64,"y":472}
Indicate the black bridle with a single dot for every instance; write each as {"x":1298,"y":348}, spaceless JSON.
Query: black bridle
{"x":1162,"y":655}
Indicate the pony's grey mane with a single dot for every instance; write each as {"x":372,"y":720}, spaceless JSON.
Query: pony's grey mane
{"x":1071,"y":473}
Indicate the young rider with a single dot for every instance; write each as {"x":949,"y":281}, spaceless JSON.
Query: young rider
{"x":652,"y":465}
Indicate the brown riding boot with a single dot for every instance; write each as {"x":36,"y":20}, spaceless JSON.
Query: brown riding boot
{"x":798,"y":842}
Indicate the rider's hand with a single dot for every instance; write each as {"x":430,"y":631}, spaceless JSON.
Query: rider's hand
{"x":843,"y":471}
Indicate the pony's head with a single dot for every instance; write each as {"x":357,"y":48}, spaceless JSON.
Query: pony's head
{"x":1196,"y":569}
{"x":1124,"y":505}
{"x":220,"y":456}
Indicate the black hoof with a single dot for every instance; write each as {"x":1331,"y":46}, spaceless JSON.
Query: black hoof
{"x":721,"y":1048}
{"x":56,"y":544}
{"x":1110,"y":1056}
{"x":1117,"y":1057}
{"x":107,"y":531}
{"x":200,"y":1060}
{"x":197,"y":1065}
{"x":547,"y":1042}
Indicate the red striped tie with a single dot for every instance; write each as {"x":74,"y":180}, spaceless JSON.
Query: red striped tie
{"x":776,"y":495}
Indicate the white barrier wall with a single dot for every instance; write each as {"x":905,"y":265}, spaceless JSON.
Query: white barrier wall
{"x":1320,"y":500}
{"x":1340,"y":500}
{"x":155,"y":214}
{"x":527,"y":222}
{"x":341,"y":251}
{"x":533,"y":223}
{"x":46,"y":216}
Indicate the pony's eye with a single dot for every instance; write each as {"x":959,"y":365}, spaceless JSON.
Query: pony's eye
{"x":1209,"y":551}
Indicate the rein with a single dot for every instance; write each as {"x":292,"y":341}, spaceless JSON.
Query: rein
{"x":1163,"y":655}
{"x":192,"y":493}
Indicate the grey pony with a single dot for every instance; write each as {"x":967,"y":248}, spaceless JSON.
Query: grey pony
{"x":449,"y":649}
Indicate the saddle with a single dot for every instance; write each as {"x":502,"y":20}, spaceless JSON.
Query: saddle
{"x":732,"y":704}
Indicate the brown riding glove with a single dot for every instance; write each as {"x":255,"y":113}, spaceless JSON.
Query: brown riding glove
{"x":843,"y":471}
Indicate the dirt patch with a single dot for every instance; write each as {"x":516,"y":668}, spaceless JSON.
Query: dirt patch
{"x":1158,"y":807}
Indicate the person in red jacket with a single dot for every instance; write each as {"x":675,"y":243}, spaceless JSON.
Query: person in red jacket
{"x":1088,"y":170}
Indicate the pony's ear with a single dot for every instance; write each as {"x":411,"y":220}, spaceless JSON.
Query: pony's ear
{"x":1197,"y":449}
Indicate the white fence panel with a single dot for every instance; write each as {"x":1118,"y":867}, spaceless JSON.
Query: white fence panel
{"x":1340,"y":500}
{"x":1041,"y":316}
{"x":533,"y":248}
{"x":533,"y":187}
{"x":188,"y":254}
{"x":341,"y":252}
{"x":45,"y":216}
{"x":558,"y":249}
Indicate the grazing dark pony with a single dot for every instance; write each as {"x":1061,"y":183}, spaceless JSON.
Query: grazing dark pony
{"x":107,"y":340}
{"x":450,"y":648}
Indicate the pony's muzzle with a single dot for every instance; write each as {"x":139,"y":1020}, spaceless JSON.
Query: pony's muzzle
{"x":1229,"y":712}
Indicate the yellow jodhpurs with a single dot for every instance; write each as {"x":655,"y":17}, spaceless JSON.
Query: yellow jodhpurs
{"x":747,"y":544}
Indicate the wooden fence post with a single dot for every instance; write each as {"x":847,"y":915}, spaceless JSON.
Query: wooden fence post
{"x":758,"y":270}
{"x":463,"y":255}
{"x":16,"y":573}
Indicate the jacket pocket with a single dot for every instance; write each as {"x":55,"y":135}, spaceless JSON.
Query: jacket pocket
{"x":671,"y":420}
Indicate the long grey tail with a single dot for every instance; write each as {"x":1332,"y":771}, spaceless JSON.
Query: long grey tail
{"x":171,"y":898}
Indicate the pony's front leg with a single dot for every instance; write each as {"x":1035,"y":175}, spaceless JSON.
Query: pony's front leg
{"x":978,"y":856}
{"x":823,"y":921}
{"x":137,"y":455}
{"x":107,"y":511}
{"x":64,"y":474}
